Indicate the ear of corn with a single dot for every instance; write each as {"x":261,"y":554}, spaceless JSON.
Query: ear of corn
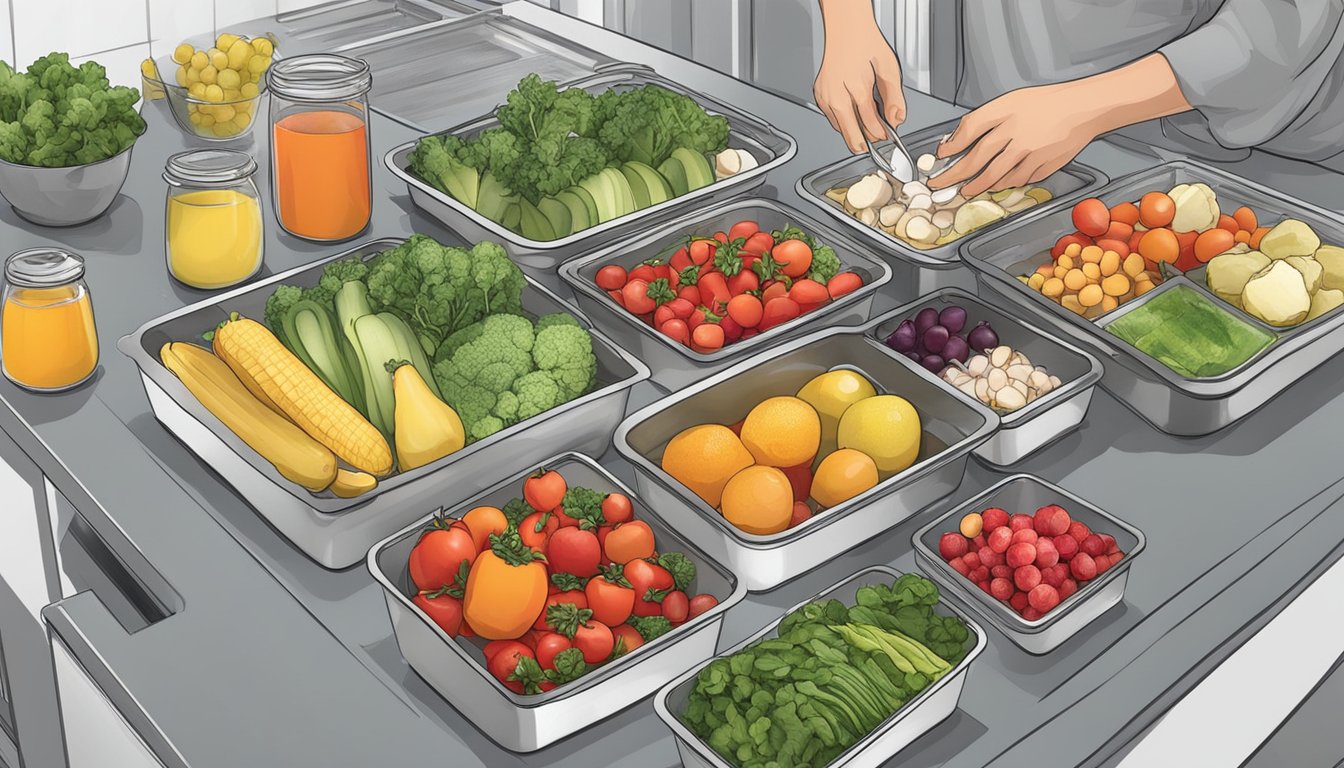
{"x":254,"y":353}
{"x":296,"y":456}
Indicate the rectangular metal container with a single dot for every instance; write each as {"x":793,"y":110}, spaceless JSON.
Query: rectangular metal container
{"x":1172,"y":403}
{"x":1068,"y":184}
{"x":770,"y":147}
{"x":456,"y":667}
{"x":1025,"y":494}
{"x":953,"y":427}
{"x":675,"y":365}
{"x":1045,"y":419}
{"x":338,"y":532}
{"x":935,"y":704}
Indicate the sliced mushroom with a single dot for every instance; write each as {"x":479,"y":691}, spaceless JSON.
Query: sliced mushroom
{"x":977,"y":365}
{"x":946,"y":195}
{"x":913,"y":188}
{"x":943,"y":219}
{"x":1019,"y":372}
{"x":872,"y":191}
{"x":969,"y":386}
{"x":890,"y":214}
{"x":921,"y":203}
{"x":921,"y":230}
{"x":868,"y":216}
{"x":982,"y":390}
{"x":727,"y":163}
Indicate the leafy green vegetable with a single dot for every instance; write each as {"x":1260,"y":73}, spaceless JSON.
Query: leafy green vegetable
{"x":516,"y":510}
{"x":825,"y":264}
{"x":56,"y":115}
{"x":584,"y":505}
{"x":681,"y":568}
{"x":650,"y":627}
{"x":645,"y":124}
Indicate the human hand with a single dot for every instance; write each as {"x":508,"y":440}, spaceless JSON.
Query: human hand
{"x":851,"y":67}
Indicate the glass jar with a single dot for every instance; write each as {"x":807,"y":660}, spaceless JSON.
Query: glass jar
{"x":47,"y":337}
{"x":320,"y":167}
{"x":212,"y":228}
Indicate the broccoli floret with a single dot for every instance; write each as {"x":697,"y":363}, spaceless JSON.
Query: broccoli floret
{"x":497,"y":279}
{"x":484,"y":428}
{"x":438,"y":160}
{"x":284,"y":297}
{"x":335,"y":275}
{"x":825,"y":264}
{"x":557,"y":318}
{"x":645,"y":124}
{"x":57,"y":115}
{"x":536,"y":393}
{"x":477,"y":379}
{"x":565,"y":352}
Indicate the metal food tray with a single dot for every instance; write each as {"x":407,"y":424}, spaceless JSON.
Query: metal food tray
{"x":1066,"y":185}
{"x":338,"y":532}
{"x":456,"y":668}
{"x":933,"y":705}
{"x":675,"y":365}
{"x":1169,"y":401}
{"x":770,"y":147}
{"x":1040,"y":422}
{"x":953,"y":426}
{"x":1025,"y":494}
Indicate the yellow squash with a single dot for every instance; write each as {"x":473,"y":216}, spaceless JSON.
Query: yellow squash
{"x":425,"y":427}
{"x":351,"y":484}
{"x":298,"y":457}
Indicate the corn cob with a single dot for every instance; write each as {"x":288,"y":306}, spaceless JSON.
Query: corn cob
{"x":253,"y":352}
{"x":296,"y":456}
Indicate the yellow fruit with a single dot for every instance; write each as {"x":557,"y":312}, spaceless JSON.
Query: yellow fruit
{"x":182,"y":76}
{"x":886,"y":428}
{"x":242,"y":121}
{"x":426,"y":428}
{"x":229,"y":78}
{"x":209,"y":75}
{"x":193,"y":76}
{"x":758,"y":500}
{"x":214,"y":93}
{"x":183,"y":53}
{"x":238,"y":54}
{"x":831,"y":394}
{"x":263,"y":46}
{"x":258,"y":64}
{"x":782,"y":432}
{"x":223,"y":113}
{"x":703,"y":458}
{"x":225,"y":41}
{"x":194,"y":117}
{"x":248,"y":91}
{"x":843,"y":475}
{"x":218,"y":58}
{"x":206,"y":121}
{"x":199,"y":60}
{"x":197,"y":91}
{"x":971,"y":525}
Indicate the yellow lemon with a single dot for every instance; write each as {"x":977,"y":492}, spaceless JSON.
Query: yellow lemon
{"x":782,"y":432}
{"x":758,"y":500}
{"x":886,"y":428}
{"x":843,"y":475}
{"x":831,"y":394}
{"x":703,"y":458}
{"x":183,"y":53}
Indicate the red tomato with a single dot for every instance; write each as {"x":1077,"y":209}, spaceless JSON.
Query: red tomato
{"x":445,"y":610}
{"x":573,"y":597}
{"x":544,"y":490}
{"x":707,"y":337}
{"x":629,"y":541}
{"x":611,"y":601}
{"x":732,"y":331}
{"x":504,"y":661}
{"x":1119,"y":246}
{"x":722,"y":237}
{"x":617,"y":297}
{"x":746,"y":310}
{"x":611,"y":277}
{"x":438,"y":556}
{"x":1156,"y":209}
{"x":743,"y":281}
{"x":676,"y":330}
{"x":743,"y":229}
{"x":565,"y":520}
{"x":749,"y":332}
{"x":701,"y":603}
{"x":1246,"y":219}
{"x":1186,"y":241}
{"x":808,"y":292}
{"x":662,"y":314}
{"x":680,"y":308}
{"x":702,"y":251}
{"x":714,"y":292}
{"x":1118,"y":230}
{"x":800,"y":479}
{"x":795,"y":256}
{"x":572,"y":550}
{"x":773,"y":290}
{"x":1067,"y":240}
{"x":778,"y":311}
{"x":643,"y":272}
{"x":697,"y":318}
{"x":801,"y":512}
{"x":843,"y":283}
{"x":1159,"y":244}
{"x":627,"y":639}
{"x":680,"y":260}
{"x":1091,"y":217}
{"x":617,"y":509}
{"x":1135,"y":239}
{"x":676,"y":607}
{"x":535,"y":531}
{"x":1213,"y":243}
{"x":759,"y":244}
{"x":595,"y":640}
{"x":1126,"y":212}
{"x":636,"y":294}
{"x":689,"y":294}
{"x":549,"y":646}
{"x":649,"y":582}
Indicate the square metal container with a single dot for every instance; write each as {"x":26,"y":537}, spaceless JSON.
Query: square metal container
{"x":953,"y":427}
{"x":338,"y":532}
{"x":770,"y":147}
{"x":456,"y":667}
{"x":933,"y":705}
{"x":1041,"y":421}
{"x":675,"y":365}
{"x":1171,"y":402}
{"x":1067,"y":185}
{"x":1025,"y":494}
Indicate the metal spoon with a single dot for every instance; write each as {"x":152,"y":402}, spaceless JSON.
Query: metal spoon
{"x":891,"y":156}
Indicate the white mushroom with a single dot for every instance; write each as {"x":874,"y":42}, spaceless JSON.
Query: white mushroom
{"x":913,"y":188}
{"x":890,"y":214}
{"x":921,"y":203}
{"x":925,"y":162}
{"x":943,"y":219}
{"x":727,"y":163}
{"x":921,"y":230}
{"x":1000,"y":356}
{"x":872,"y":191}
{"x":946,"y":195}
{"x":868,"y":216}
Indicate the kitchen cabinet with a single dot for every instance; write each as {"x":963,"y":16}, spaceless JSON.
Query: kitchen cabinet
{"x":96,"y":734}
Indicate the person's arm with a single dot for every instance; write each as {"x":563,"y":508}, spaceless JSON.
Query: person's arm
{"x":857,"y":60}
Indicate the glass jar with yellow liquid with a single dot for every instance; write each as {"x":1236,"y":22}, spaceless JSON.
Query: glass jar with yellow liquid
{"x":212,"y":228}
{"x":47,"y":337}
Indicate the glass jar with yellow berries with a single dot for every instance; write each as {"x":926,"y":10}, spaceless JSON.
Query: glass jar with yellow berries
{"x":217,"y":90}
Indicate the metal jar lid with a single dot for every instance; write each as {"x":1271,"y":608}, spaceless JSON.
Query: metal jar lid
{"x":319,"y":78}
{"x":46,"y":267}
{"x":208,"y":167}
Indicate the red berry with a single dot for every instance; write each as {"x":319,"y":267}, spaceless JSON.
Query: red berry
{"x":1093,"y":545}
{"x":1083,"y":567}
{"x":1031,"y":614}
{"x":979,"y":574}
{"x":1043,"y":598}
{"x":985,"y":585}
{"x":1079,"y":531}
{"x":1001,"y":588}
{"x":1109,"y":541}
{"x":1103,"y":562}
{"x":1067,"y":588}
{"x":1027,"y":535}
{"x":1020,"y":522}
{"x":1019,"y":601}
{"x":959,"y":566}
{"x":971,"y":559}
{"x":994,"y":518}
{"x":1052,"y":520}
{"x":1000,"y":538}
{"x":978,"y":542}
{"x":1021,"y":554}
{"x":1052,"y":576}
{"x":1046,"y":554}
{"x":951,"y":545}
{"x":1001,"y":572}
{"x":990,"y":558}
{"x":1027,"y":577}
{"x":1067,"y":546}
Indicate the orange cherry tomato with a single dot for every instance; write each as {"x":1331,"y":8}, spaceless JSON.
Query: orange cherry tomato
{"x":743,"y":229}
{"x":1134,"y":240}
{"x":1228,"y":223}
{"x":1119,"y":246}
{"x":746,"y":310}
{"x":779,"y":311}
{"x":1246,"y":219}
{"x":1156,"y":209}
{"x":1091,"y":217}
{"x":483,"y":521}
{"x":1242,"y":237}
{"x":843,"y":283}
{"x":1257,"y":236}
{"x":707,"y":337}
{"x":629,"y":541}
{"x":1212,"y":243}
{"x":1127,"y":213}
{"x":773,"y":291}
{"x":795,"y":256}
{"x":808,"y":292}
{"x":1159,"y":244}
{"x":1067,"y":240}
{"x":1119,"y":230}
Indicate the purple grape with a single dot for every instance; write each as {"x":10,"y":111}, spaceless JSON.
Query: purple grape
{"x":936,"y":338}
{"x":934,"y":363}
{"x":915,"y":356}
{"x":953,"y":319}
{"x":957,"y":349}
{"x":926,"y":319}
{"x":903,"y":338}
{"x":982,"y":337}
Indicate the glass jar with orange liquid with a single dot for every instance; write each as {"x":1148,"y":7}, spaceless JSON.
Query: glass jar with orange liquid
{"x":47,"y":338}
{"x":321,"y":180}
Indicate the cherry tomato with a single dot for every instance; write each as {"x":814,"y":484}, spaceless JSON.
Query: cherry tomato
{"x":444,"y":610}
{"x":1156,"y":209}
{"x":1066,"y":241}
{"x":1159,"y":245}
{"x":759,"y":244}
{"x":702,"y":251}
{"x":749,"y":332}
{"x":1246,"y":219}
{"x":483,"y":521}
{"x":676,"y":607}
{"x":714,"y":292}
{"x":544,"y":490}
{"x":576,"y":551}
{"x":1119,"y":246}
{"x":689,"y":294}
{"x":643,"y":272}
{"x":549,"y":646}
{"x":680,"y":260}
{"x":697,"y":319}
{"x":777,"y":312}
{"x":629,"y":541}
{"x":438,"y":556}
{"x":617,"y":297}
{"x":681,"y":308}
{"x":610,"y":601}
{"x":843,"y":283}
{"x":1091,"y":217}
{"x":662,"y":314}
{"x":1118,"y":230}
{"x":722,"y":237}
{"x":1213,"y":243}
{"x":676,"y":330}
{"x":701,"y":603}
{"x":504,"y":661}
{"x":732,"y":331}
{"x":627,"y":639}
{"x":1186,"y":254}
{"x":536,"y":531}
{"x":1127,"y":213}
{"x":573,"y":597}
{"x":746,"y":310}
{"x":800,"y":513}
{"x":743,"y":229}
{"x":773,"y":290}
{"x":743,"y":281}
{"x":1229,"y":224}
{"x":707,"y":337}
{"x":795,"y":256}
{"x":1134,"y":240}
{"x":808,"y":293}
{"x":595,"y":640}
{"x":611,"y":277}
{"x":1257,"y":236}
{"x":565,"y":520}
{"x":616,"y":509}
{"x":636,"y":293}
{"x":648,"y":580}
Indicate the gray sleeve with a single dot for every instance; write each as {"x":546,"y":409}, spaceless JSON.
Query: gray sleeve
{"x":1257,"y":65}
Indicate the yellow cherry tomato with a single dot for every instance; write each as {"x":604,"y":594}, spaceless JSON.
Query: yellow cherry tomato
{"x":209,"y":75}
{"x":183,"y":76}
{"x":249,"y":91}
{"x":258,"y":63}
{"x":199,"y":60}
{"x":183,"y":53}
{"x":214,"y":93}
{"x":225,"y":41}
{"x":262,"y":46}
{"x":228,"y":78}
{"x":238,"y":54}
{"x":218,"y":58}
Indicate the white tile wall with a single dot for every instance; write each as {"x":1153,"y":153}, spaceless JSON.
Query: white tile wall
{"x":78,"y":27}
{"x":122,"y":64}
{"x":6,"y":35}
{"x":174,"y":21}
{"x":230,"y":12}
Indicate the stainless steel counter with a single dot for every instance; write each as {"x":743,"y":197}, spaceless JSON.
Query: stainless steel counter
{"x":255,"y":655}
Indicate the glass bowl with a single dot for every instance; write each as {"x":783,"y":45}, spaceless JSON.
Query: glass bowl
{"x":208,"y":102}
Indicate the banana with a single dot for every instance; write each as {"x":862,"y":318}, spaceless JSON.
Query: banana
{"x":351,"y":484}
{"x":295,"y":455}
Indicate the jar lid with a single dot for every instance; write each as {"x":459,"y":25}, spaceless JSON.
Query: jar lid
{"x":45,"y":267}
{"x":319,"y":77}
{"x":208,"y":166}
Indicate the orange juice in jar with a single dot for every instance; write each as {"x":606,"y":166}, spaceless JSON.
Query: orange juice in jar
{"x":48,"y":341}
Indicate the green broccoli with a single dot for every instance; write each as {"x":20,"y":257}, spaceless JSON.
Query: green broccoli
{"x":645,"y":124}
{"x":335,"y":275}
{"x":825,"y":264}
{"x":536,"y":392}
{"x":57,"y":115}
{"x":565,"y":352}
{"x":557,"y":318}
{"x":284,"y":297}
{"x":477,"y":379}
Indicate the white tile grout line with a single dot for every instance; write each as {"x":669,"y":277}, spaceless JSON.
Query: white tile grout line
{"x":1212,"y":724}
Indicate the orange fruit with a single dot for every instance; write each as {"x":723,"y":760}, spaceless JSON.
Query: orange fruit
{"x":758,"y":500}
{"x":843,"y":475}
{"x":782,"y":432}
{"x":1159,"y":245}
{"x":703,"y":458}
